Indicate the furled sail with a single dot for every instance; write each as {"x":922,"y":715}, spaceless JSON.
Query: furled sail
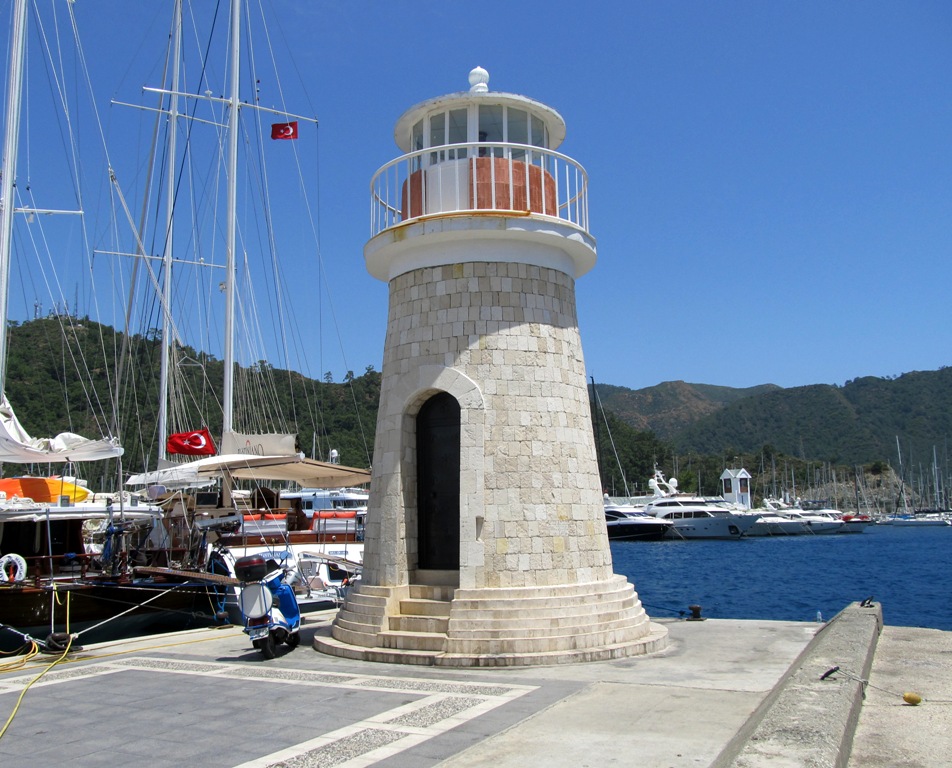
{"x":17,"y":446}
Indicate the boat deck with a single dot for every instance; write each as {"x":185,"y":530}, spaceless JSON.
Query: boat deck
{"x":206,"y":697}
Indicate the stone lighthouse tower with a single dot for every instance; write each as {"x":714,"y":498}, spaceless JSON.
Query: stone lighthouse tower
{"x":485,"y":542}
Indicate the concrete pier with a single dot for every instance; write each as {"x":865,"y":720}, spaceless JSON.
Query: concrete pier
{"x":722,"y":692}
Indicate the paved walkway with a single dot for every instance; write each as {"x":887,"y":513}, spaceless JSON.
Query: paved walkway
{"x":892,"y":733}
{"x":207,"y":698}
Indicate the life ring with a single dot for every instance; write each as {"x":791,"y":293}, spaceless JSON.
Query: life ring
{"x":18,"y":564}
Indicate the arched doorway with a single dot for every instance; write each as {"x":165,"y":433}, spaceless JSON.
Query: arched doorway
{"x":438,"y":450}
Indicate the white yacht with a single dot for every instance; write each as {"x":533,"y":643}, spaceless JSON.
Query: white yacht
{"x":631,"y":523}
{"x":772,"y":524}
{"x":815,"y":524}
{"x":693,"y":517}
{"x":851,"y":523}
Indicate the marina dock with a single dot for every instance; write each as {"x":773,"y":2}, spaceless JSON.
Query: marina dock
{"x":724,"y":692}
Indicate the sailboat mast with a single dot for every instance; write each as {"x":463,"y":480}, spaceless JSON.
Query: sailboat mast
{"x":230,"y":261}
{"x":10,"y":144}
{"x":169,"y":223}
{"x":902,"y":479}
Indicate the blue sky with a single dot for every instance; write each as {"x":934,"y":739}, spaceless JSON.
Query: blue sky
{"x":769,"y":181}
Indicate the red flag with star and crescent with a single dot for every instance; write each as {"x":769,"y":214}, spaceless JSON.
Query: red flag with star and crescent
{"x":284,"y":130}
{"x":197,"y":443}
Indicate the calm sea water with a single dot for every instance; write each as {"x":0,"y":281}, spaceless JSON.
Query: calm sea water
{"x":793,"y":578}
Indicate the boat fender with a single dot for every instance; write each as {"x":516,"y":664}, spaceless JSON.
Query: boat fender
{"x":12,"y":567}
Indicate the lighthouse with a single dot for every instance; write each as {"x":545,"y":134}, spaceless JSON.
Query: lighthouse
{"x":485,"y":542}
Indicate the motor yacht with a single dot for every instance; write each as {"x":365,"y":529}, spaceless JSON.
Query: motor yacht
{"x":632,"y":523}
{"x":694,"y":517}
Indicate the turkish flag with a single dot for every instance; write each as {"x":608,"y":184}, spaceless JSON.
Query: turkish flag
{"x":284,"y":130}
{"x":197,"y":443}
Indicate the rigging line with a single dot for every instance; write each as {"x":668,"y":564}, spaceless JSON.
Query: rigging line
{"x":87,"y":82}
{"x":79,"y":363}
{"x":56,"y":77}
{"x":141,"y":247}
{"x":122,"y":356}
{"x":611,"y":440}
{"x":279,"y":280}
{"x":179,"y":179}
{"x":133,"y":282}
{"x":129,"y":610}
{"x":294,"y":148}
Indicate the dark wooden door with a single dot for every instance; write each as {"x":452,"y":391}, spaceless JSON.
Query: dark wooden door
{"x":438,"y":431}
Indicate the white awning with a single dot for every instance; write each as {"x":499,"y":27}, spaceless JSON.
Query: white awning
{"x":295,"y":468}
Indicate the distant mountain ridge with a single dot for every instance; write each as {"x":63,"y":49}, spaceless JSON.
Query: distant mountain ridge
{"x":856,"y":423}
{"x":668,"y":408}
{"x":852,"y":424}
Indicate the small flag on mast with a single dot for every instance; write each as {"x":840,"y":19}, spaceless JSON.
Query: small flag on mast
{"x":197,"y":443}
{"x":284,"y":130}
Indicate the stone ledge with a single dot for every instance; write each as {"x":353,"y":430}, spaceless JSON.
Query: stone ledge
{"x":805,"y":720}
{"x":655,"y":641}
{"x":556,"y":628}
{"x":557,"y":612}
{"x":539,"y":594}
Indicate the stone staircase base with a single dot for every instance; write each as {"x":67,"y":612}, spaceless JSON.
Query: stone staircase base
{"x":446,"y":626}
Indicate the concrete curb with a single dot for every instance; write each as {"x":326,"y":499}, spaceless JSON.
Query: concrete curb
{"x":806,"y":720}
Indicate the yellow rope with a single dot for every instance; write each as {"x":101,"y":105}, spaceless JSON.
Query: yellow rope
{"x":27,"y":687}
{"x":139,"y":649}
{"x":21,"y":658}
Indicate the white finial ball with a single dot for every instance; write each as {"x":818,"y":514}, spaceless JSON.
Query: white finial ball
{"x":478,"y":80}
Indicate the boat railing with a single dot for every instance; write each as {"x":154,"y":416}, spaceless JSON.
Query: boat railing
{"x":41,"y":569}
{"x":483,"y":177}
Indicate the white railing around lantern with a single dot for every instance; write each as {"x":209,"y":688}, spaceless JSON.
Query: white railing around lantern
{"x":487,"y":177}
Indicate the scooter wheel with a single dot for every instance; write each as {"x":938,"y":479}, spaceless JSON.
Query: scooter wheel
{"x":267,"y":647}
{"x":293,"y":640}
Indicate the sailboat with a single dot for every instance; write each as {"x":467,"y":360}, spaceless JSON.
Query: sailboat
{"x":64,"y":551}
{"x":223,"y":524}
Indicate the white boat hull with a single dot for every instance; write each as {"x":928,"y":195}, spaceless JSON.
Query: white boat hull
{"x":777,"y":527}
{"x":721,"y":527}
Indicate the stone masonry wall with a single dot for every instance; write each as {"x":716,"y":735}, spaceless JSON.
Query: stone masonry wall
{"x":512,"y":329}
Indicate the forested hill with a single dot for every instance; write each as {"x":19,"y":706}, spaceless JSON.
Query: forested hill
{"x":61,"y":377}
{"x":668,"y":408}
{"x":856,"y":423}
{"x":852,"y":424}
